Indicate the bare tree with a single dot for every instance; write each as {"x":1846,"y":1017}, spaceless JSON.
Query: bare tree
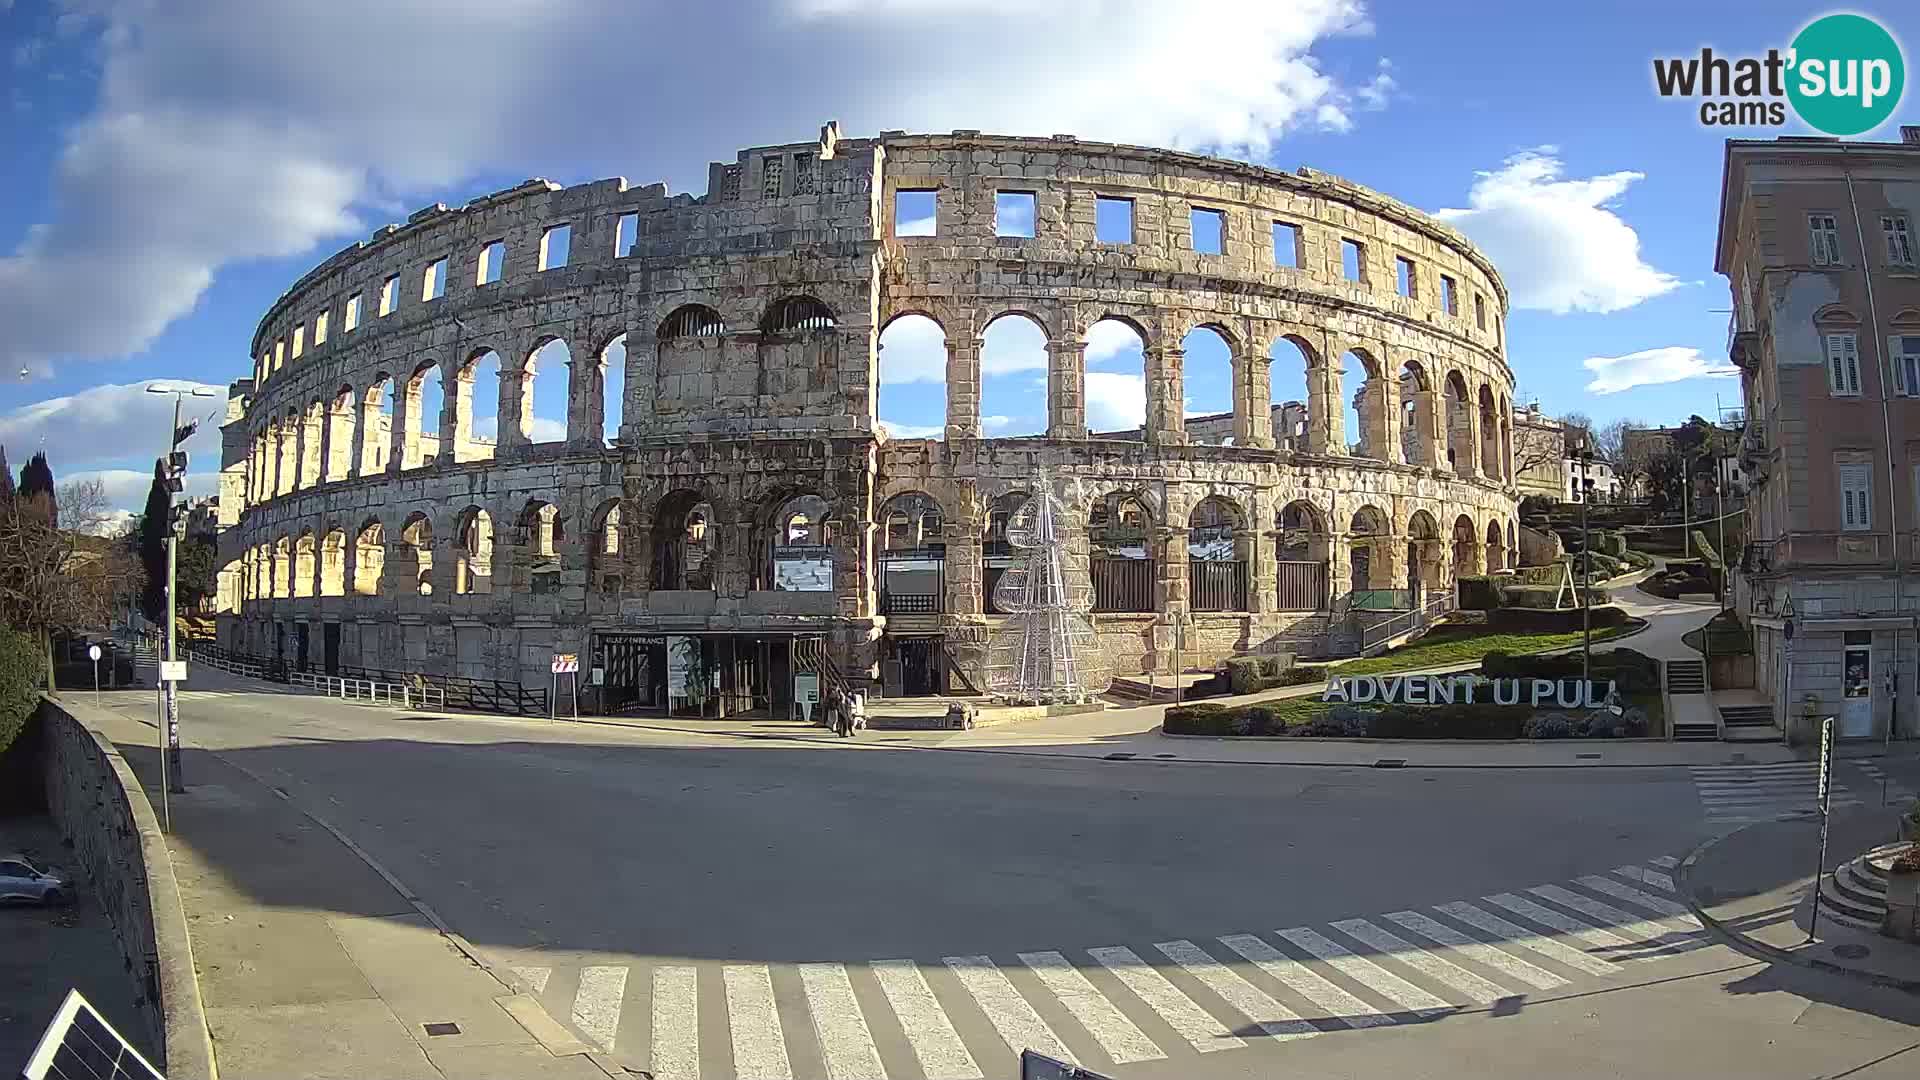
{"x":55,"y":574}
{"x":1578,"y":429}
{"x":1610,"y":441}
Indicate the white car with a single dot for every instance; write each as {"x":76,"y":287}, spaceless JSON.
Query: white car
{"x":22,"y":883}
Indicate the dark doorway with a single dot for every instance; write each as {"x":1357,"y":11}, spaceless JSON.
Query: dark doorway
{"x":635,"y":677}
{"x":300,"y":646}
{"x":920,"y":667}
{"x":330,"y":647}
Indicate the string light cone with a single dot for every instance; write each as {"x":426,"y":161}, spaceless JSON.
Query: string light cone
{"x":1046,"y":652}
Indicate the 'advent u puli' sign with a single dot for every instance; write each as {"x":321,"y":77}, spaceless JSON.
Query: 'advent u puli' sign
{"x":1465,"y":689}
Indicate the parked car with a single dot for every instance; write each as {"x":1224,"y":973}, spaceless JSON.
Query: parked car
{"x":23,"y":883}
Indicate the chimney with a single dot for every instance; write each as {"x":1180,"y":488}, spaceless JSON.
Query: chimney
{"x":1910,"y":134}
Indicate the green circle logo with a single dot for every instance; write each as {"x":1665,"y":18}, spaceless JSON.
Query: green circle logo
{"x":1847,"y":74}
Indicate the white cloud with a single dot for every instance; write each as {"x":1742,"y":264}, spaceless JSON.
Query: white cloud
{"x":995,"y":423}
{"x":1115,"y":401}
{"x":1011,"y":344}
{"x":545,"y":429}
{"x":897,"y":430}
{"x":229,"y":130}
{"x":1558,"y":242}
{"x":1378,"y":91}
{"x":913,"y":348}
{"x":1651,"y":367}
{"x":1111,"y":340}
{"x":112,"y":424}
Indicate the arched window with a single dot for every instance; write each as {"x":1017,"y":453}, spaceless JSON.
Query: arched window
{"x":477,"y":390}
{"x":333,"y":564}
{"x":683,"y":543}
{"x":605,"y":565}
{"x":1366,"y":562}
{"x":1207,"y":380}
{"x":1116,"y":387}
{"x":416,"y":555}
{"x":692,"y":321}
{"x":913,"y":378}
{"x":473,"y":570}
{"x":376,"y":422}
{"x":1496,"y":549}
{"x":996,"y":554}
{"x":1120,"y":549}
{"x":1301,"y":549}
{"x":542,"y":532}
{"x":1417,"y":431}
{"x":800,"y":558}
{"x":303,"y":564}
{"x":913,"y":557}
{"x":543,"y":392}
{"x":613,"y":389}
{"x":1490,"y":455}
{"x":1290,"y":394}
{"x":1459,"y":426}
{"x":424,"y":401}
{"x":797,"y":314}
{"x":1426,"y":554}
{"x":342,"y":417}
{"x":1218,"y":548}
{"x":1466,"y":547}
{"x":1013,"y":377}
{"x":369,"y":559}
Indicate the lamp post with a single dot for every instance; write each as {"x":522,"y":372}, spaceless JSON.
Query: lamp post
{"x":173,"y":465}
{"x":1586,"y":566}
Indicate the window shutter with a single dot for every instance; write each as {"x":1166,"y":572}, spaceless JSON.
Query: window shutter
{"x":1900,"y":384}
{"x":1856,"y":497}
{"x":1816,"y":243}
{"x":1853,"y":364}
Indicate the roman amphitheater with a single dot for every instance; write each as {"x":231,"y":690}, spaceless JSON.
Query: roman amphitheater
{"x":754,"y":512}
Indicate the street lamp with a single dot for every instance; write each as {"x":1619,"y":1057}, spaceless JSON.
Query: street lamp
{"x":173,"y":468}
{"x":1585,"y":461}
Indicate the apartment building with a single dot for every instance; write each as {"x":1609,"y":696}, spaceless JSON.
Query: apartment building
{"x":1539,"y":453}
{"x":1816,"y":241}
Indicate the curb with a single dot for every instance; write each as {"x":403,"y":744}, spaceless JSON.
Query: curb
{"x":1760,"y":950}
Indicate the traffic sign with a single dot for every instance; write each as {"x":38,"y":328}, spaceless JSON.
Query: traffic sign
{"x":173,"y":671}
{"x":93,"y":653}
{"x":566,"y":663}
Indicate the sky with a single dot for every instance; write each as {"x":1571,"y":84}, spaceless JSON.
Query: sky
{"x":171,"y":168}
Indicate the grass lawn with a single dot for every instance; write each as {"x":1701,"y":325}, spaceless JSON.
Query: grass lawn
{"x":1441,"y":648}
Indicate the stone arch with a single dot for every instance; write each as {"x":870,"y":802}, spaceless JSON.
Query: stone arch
{"x":369,"y":558}
{"x":333,"y":562}
{"x":1293,"y":369}
{"x":305,"y":559}
{"x":283,"y":567}
{"x":1426,"y":554}
{"x":1506,"y":440}
{"x":376,"y":424}
{"x":1219,"y":555}
{"x":1013,"y":375}
{"x":1372,"y":404}
{"x":1123,"y":559}
{"x":477,"y":404}
{"x":795,"y":536}
{"x":1466,"y":548}
{"x":611,"y":387}
{"x":691,"y":321}
{"x":1302,"y":546}
{"x":606,"y":549}
{"x":473,"y":552}
{"x":342,"y":419}
{"x":911,"y":521}
{"x":419,"y":448}
{"x":414,"y":561}
{"x":539,"y":538}
{"x":1115,"y":386}
{"x":1490,"y":454}
{"x":685,"y":537}
{"x":689,"y":347}
{"x":1420,"y":407}
{"x":797,"y":314}
{"x":1368,"y":533}
{"x":1459,"y":425}
{"x":544,"y":378}
{"x":996,"y":554}
{"x":313,"y":423}
{"x":916,"y":399}
{"x":291,"y":425}
{"x":1210,"y":384}
{"x":1496,"y":547}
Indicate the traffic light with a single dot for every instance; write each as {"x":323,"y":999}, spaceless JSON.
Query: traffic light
{"x":177,"y":516}
{"x":176,"y":471}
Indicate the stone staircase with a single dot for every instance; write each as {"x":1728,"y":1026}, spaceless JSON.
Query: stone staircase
{"x":1748,"y":723}
{"x":1686,"y":676}
{"x":1856,"y":894}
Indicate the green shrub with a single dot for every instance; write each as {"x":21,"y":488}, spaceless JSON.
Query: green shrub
{"x":1302,"y":674}
{"x":1215,"y":719}
{"x":1639,"y":560}
{"x":1274,"y":665}
{"x":1243,"y":674}
{"x":1636,"y":672}
{"x":1550,"y":621}
{"x":1477,"y":594}
{"x":22,"y":665}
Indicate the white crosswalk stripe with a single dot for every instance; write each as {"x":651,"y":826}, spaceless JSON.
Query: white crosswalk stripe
{"x":596,"y":1005}
{"x":1486,"y":955}
{"x":1433,"y":967}
{"x":1129,"y":1011}
{"x":1194,"y":1024}
{"x":1267,"y":1014}
{"x":1364,"y":971}
{"x":759,"y":1044}
{"x":1739,"y":794}
{"x":676,"y":1023}
{"x":1016,"y":1021}
{"x":1666,"y":862}
{"x":1116,"y":1034}
{"x":845,"y":1042}
{"x":943,"y":1056}
{"x":1303,"y":980}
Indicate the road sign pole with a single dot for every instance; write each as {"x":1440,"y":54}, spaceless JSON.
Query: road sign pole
{"x":1826,"y":803}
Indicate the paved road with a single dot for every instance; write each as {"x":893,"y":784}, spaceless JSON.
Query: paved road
{"x":736,"y":908}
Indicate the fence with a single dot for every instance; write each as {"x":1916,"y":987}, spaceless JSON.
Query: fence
{"x":1121,"y":585}
{"x":1217,"y":585}
{"x":1380,"y":600}
{"x":1388,"y":629}
{"x":406,"y":695}
{"x":380,"y":686}
{"x":1302,"y":585}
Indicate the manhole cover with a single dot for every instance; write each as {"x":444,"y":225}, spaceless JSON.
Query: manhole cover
{"x":1850,"y":952}
{"x":1390,"y":763}
{"x":1120,"y":757}
{"x":443,"y":1027}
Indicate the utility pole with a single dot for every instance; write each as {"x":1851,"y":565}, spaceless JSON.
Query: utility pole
{"x":173,"y":466}
{"x":1586,"y":569}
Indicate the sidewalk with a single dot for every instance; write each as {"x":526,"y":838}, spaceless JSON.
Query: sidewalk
{"x":312,"y":963}
{"x":1756,"y":886}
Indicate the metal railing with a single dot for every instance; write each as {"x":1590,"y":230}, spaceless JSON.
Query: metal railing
{"x":348,"y":688}
{"x":1122,"y":584}
{"x":222,"y":660}
{"x":1301,"y":585}
{"x":906,"y":603}
{"x":379,"y":686}
{"x":1217,"y":585}
{"x":1380,"y":600}
{"x":1424,"y":616}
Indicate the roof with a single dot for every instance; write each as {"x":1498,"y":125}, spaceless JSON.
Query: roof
{"x":1739,"y":152}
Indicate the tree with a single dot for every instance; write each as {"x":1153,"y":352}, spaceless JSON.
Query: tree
{"x":36,"y":483}
{"x":153,"y":547}
{"x":55,"y":579}
{"x":1578,"y":428}
{"x":1610,"y":442}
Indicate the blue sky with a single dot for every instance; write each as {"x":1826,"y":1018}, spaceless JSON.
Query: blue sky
{"x":168,"y":178}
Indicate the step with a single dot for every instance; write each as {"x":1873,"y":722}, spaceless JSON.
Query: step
{"x":1743,"y":715}
{"x":1832,"y":899}
{"x":1848,"y":884}
{"x":1696,"y":733}
{"x":1878,"y":863}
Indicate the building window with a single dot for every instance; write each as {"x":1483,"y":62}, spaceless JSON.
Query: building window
{"x":1906,"y":363}
{"x":1843,"y":365}
{"x":1112,"y":220}
{"x":914,"y":213}
{"x":352,"y":321}
{"x":1449,"y":295}
{"x":1479,"y":311}
{"x":1406,"y":280}
{"x":730,"y":184}
{"x":279,"y":354}
{"x":320,"y":328}
{"x":433,"y":282}
{"x":1823,"y":239}
{"x":1209,"y":230}
{"x":1013,"y":213}
{"x":555,"y":245}
{"x":1286,"y":244}
{"x":772,"y":171}
{"x":803,"y":174}
{"x":625,"y":234}
{"x":299,"y":340}
{"x":1353,"y":260}
{"x":492,"y":258}
{"x":389,"y":295}
{"x":1899,"y":241}
{"x":1856,"y":497}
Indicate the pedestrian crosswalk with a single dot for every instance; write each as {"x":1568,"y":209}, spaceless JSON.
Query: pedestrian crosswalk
{"x":966,"y":1017}
{"x":1741,"y":794}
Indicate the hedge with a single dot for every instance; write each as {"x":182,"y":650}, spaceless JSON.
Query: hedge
{"x":22,"y":666}
{"x":1637,"y":673}
{"x":1552,"y":620}
{"x":1252,"y":674}
{"x":1456,"y":721}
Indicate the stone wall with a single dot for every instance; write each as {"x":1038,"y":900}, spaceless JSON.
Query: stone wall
{"x":100,"y":808}
{"x":750,"y":319}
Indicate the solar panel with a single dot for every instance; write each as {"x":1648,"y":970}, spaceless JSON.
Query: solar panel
{"x":80,"y":1045}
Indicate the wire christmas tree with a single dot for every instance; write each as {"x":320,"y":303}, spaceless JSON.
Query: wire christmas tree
{"x":1046,"y":652}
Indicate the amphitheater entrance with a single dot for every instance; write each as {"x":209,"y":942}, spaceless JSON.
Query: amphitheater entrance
{"x":695,"y":676}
